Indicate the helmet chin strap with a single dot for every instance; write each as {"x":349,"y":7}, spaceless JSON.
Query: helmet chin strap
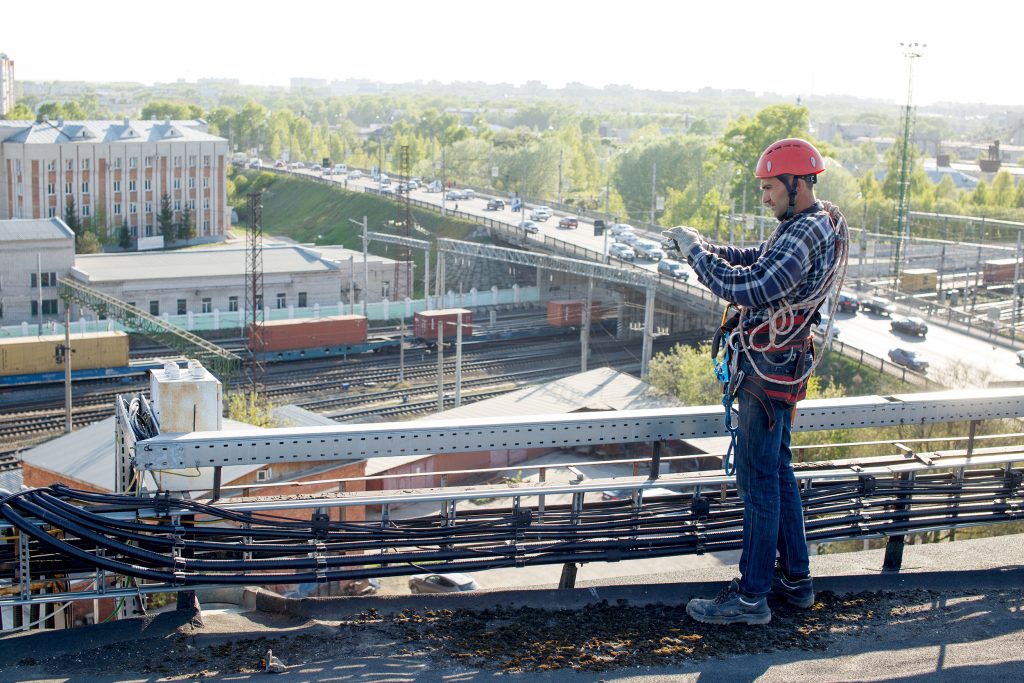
{"x":790,"y":183}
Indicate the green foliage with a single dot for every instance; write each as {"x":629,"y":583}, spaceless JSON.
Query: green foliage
{"x":20,"y":112}
{"x":165,"y":218}
{"x":71,"y":215}
{"x":164,"y":109}
{"x":87,"y":243}
{"x":250,"y":408}
{"x":124,"y":236}
{"x":686,"y":373}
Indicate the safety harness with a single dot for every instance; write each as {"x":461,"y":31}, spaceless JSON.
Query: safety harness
{"x":787,"y":328}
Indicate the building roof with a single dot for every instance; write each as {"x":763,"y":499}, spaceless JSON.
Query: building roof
{"x":34,"y":229}
{"x":600,"y":389}
{"x":87,"y":455}
{"x":107,"y":132}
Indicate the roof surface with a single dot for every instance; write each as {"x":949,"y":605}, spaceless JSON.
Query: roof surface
{"x":33,"y":229}
{"x":106,"y":132}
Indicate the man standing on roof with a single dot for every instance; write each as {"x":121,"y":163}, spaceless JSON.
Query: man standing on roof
{"x":777,"y":288}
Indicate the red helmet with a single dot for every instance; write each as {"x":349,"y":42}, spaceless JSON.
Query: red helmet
{"x":790,"y":156}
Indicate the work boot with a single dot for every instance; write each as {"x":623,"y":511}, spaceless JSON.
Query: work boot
{"x":796,"y":592}
{"x":730,"y":607}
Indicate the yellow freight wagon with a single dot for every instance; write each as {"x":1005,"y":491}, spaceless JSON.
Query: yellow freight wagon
{"x":33,"y":355}
{"x":919,"y":280}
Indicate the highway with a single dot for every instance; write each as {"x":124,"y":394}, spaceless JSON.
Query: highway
{"x":955,"y":359}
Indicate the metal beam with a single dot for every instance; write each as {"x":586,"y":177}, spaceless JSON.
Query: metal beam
{"x":398,"y":239}
{"x":209,"y":449}
{"x":222,"y":363}
{"x":598,"y":271}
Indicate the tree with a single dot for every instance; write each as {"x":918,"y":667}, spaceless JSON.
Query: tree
{"x":87,"y":243}
{"x":71,"y":216}
{"x":163,"y":109}
{"x":20,"y":112}
{"x":1003,"y":190}
{"x":685,"y":372}
{"x":165,"y":218}
{"x":186,"y":229}
{"x":124,"y":236}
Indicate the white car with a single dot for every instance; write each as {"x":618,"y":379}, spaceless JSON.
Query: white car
{"x":541,"y":213}
{"x":529,"y":227}
{"x":355,"y":174}
{"x":620,"y":229}
{"x":441,"y":583}
{"x":621,"y":251}
{"x":630,"y":238}
{"x":648,"y":250}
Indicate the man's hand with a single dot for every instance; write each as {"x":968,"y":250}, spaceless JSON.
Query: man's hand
{"x":683,"y":238}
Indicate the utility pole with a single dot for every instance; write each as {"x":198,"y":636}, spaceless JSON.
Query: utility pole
{"x":654,"y":191}
{"x":366,"y":265}
{"x":912,"y":52}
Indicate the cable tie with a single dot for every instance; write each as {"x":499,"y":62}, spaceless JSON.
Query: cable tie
{"x":179,"y":578}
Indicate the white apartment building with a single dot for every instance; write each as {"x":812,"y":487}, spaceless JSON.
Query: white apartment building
{"x":6,"y":84}
{"x":116,"y":172}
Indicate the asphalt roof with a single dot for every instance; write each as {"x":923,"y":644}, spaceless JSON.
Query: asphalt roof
{"x":33,"y":229}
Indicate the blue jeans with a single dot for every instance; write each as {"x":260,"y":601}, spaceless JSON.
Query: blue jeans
{"x":773,"y":519}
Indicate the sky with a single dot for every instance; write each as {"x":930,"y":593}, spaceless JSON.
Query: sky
{"x":800,"y":49}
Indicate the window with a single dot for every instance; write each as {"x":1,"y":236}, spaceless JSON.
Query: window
{"x":85,"y":187}
{"x":85,"y":210}
{"x":71,"y":164}
{"x":182,"y":306}
{"x":148,"y":162}
{"x":385,"y":289}
{"x":49,"y":307}
{"x":51,"y":189}
{"x":177,"y":183}
{"x":191,"y":160}
{"x":147,"y":184}
{"x":67,"y":188}
{"x":49,"y":279}
{"x":154,"y":308}
{"x":206,"y":181}
{"x":117,"y":162}
{"x":117,"y":208}
{"x":206,"y":160}
{"x":131,"y":186}
{"x":149,"y":207}
{"x":206,"y":227}
{"x":51,"y":212}
{"x":177,"y":205}
{"x":264,"y":474}
{"x":207,"y":305}
{"x":132,"y":162}
{"x":133,"y":208}
{"x":149,"y":229}
{"x":177,"y":162}
{"x":281,"y":303}
{"x":51,"y":165}
{"x":232,"y":303}
{"x":117,"y":186}
{"x":206,"y":203}
{"x":191,"y":205}
{"x":191,"y":183}
{"x":302,"y":299}
{"x":85,"y":164}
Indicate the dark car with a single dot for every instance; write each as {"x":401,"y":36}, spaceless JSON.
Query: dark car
{"x":848,"y":303}
{"x":568,"y":222}
{"x":673,"y":269}
{"x":914,"y":326}
{"x":877,"y":304}
{"x":908,"y":359}
{"x":494,"y":205}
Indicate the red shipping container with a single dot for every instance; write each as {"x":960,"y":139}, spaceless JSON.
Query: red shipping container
{"x":999,"y":271}
{"x":285,"y":335}
{"x":425,"y":323}
{"x":569,"y":312}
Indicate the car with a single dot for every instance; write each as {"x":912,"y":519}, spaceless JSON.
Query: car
{"x":848,"y":302}
{"x":529,"y":227}
{"x":646,"y":249}
{"x":340,"y":169}
{"x":441,"y":583}
{"x":1020,"y":357}
{"x":627,"y":494}
{"x":914,"y":326}
{"x":629,"y":238}
{"x":908,"y":359}
{"x":494,"y":205}
{"x":413,"y":184}
{"x":568,"y":222}
{"x":823,"y":325}
{"x":673,"y":269}
{"x":541,"y":213}
{"x":451,"y":195}
{"x":384,"y":189}
{"x":621,"y":251}
{"x":468,"y":194}
{"x":255,"y":163}
{"x":877,"y":305}
{"x":315,"y":168}
{"x":279,"y":164}
{"x":360,"y":586}
{"x":401,"y":187}
{"x":355,"y":174}
{"x":620,"y":229}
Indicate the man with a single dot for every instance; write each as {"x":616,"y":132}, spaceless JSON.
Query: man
{"x":778,"y":287}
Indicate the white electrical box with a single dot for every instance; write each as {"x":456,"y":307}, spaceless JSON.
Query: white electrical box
{"x":186,"y":399}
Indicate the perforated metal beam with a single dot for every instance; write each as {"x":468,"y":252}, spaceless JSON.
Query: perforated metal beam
{"x":527,"y":258}
{"x":397,"y":239}
{"x":208,"y":449}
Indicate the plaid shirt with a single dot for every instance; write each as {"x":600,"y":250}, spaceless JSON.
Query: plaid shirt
{"x":787,"y":268}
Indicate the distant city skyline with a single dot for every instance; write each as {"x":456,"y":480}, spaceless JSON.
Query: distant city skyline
{"x":797,"y":50}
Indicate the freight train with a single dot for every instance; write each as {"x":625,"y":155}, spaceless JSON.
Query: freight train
{"x":40,"y":360}
{"x":99,"y":355}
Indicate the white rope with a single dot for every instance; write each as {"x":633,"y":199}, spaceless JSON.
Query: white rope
{"x":780,"y":327}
